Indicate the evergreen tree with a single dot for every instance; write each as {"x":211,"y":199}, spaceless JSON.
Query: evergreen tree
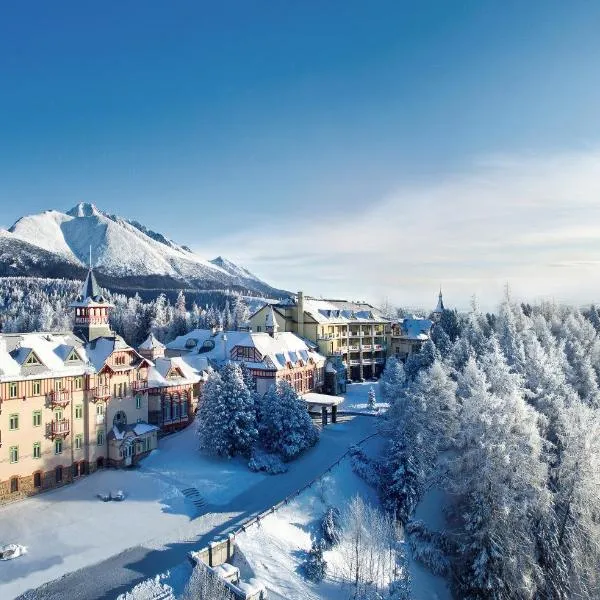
{"x":285,"y":426}
{"x":372,"y":401}
{"x":392,"y":380}
{"x":227,"y":419}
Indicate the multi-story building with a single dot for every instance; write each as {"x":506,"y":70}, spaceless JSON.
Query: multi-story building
{"x":269,"y":355}
{"x":408,"y":335}
{"x":174,"y":385}
{"x":70,"y":402}
{"x":355,"y":331}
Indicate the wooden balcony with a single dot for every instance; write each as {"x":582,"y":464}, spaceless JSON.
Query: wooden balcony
{"x":59,"y":398}
{"x":366,"y":347}
{"x":60,"y":428}
{"x":140,"y":385}
{"x":101,"y":392}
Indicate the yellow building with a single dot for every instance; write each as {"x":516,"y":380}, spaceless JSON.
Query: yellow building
{"x":70,"y":402}
{"x":355,"y":331}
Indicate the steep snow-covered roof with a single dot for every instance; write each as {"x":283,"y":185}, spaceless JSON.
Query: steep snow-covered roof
{"x":192,"y":371}
{"x":275,"y":351}
{"x":440,"y":305}
{"x":52,"y":350}
{"x":416,"y":329}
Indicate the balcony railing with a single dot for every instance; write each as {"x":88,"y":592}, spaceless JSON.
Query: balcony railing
{"x":101,"y":392}
{"x":366,"y":347}
{"x":354,"y":362}
{"x":367,"y":361}
{"x":58,"y":428}
{"x":140,"y":385}
{"x":378,"y":347}
{"x":353,"y":348}
{"x":59,"y":398}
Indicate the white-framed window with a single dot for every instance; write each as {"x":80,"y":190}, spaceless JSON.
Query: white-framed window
{"x":13,"y":422}
{"x":58,"y":446}
{"x":13,"y":454}
{"x":79,"y":411}
{"x":99,"y":408}
{"x":138,"y":402}
{"x":79,"y":441}
{"x":100,"y":438}
{"x":36,"y":388}
{"x":13,"y":390}
{"x":37,"y":450}
{"x":37,"y":418}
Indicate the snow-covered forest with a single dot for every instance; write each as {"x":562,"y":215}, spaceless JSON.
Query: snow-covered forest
{"x":34,"y":304}
{"x":500,"y":414}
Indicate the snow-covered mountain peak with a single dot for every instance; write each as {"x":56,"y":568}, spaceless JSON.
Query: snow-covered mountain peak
{"x":122,"y":249}
{"x":84,"y":209}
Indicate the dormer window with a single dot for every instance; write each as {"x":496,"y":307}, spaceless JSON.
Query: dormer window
{"x":32,"y":360}
{"x":73,"y":356}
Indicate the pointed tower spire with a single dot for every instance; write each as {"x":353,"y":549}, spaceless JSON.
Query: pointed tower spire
{"x":91,"y":309}
{"x":271,"y":326}
{"x":439,"y":309}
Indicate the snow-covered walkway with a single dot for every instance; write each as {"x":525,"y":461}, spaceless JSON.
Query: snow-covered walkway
{"x":116,"y":544}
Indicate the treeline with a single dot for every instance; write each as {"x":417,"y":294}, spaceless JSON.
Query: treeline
{"x":33,"y":304}
{"x":500,"y":414}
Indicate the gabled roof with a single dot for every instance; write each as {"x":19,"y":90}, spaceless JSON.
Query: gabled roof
{"x":276,"y":351}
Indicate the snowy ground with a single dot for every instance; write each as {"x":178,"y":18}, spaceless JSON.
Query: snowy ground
{"x":355,"y":398}
{"x":273,"y":552}
{"x":157,"y":524}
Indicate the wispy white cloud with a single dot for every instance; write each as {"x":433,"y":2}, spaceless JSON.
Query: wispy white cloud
{"x":508,"y":219}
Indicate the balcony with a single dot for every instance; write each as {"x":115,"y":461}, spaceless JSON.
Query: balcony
{"x":353,"y":348}
{"x":367,"y":361}
{"x":101,"y":392}
{"x":58,"y":428}
{"x":355,"y":334}
{"x":354,"y":362}
{"x":378,"y":347}
{"x":59,"y":398}
{"x":366,"y":347}
{"x":140,"y":385}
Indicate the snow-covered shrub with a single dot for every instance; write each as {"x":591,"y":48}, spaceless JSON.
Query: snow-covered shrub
{"x":428,"y":547}
{"x":366,"y":468}
{"x":268,"y":463}
{"x":285,"y":427}
{"x":331,"y":526}
{"x":315,"y":566}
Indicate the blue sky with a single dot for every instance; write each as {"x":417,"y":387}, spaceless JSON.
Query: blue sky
{"x":321,"y":144}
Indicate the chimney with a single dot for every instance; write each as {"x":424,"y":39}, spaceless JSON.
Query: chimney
{"x":300,"y":316}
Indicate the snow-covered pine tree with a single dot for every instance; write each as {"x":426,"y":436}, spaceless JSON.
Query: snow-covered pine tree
{"x":372,"y":400}
{"x":285,"y":426}
{"x":392,"y":380}
{"x":227,"y":419}
{"x":315,"y":566}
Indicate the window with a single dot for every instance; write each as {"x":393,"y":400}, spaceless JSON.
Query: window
{"x":79,"y":411}
{"x":37,"y":418}
{"x":184,"y":406}
{"x":58,"y":385}
{"x":14,"y":454}
{"x":73,"y":356}
{"x":36,"y":388}
{"x":58,"y":446}
{"x":12,"y":390}
{"x":99,"y":409}
{"x":58,"y":415}
{"x":14,"y":485}
{"x":37,"y":450}
{"x":78,"y":383}
{"x":138,"y":402}
{"x":37,"y":480}
{"x":100,"y":438}
{"x":32,"y":359}
{"x":13,"y":422}
{"x":58,"y":474}
{"x":79,"y":441}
